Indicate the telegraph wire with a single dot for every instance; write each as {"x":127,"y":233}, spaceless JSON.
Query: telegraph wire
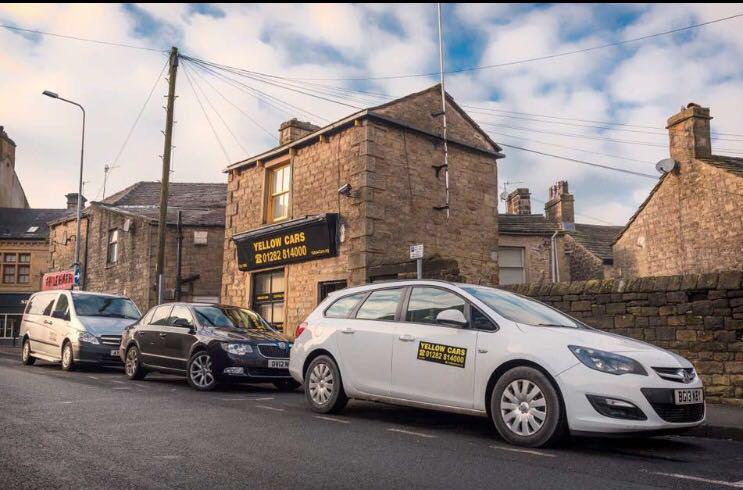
{"x":203,"y":110}
{"x":82,"y":39}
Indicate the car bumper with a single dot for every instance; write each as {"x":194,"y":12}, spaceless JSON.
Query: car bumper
{"x":651,"y":394}
{"x":97,"y":354}
{"x":251,"y":367}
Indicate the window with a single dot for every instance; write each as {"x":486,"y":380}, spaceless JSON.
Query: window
{"x":108,"y":306}
{"x":268,"y":296}
{"x":181,"y":312}
{"x":380,"y":305}
{"x":161,"y":315}
{"x":24,"y":268}
{"x":39,"y":303}
{"x":113,"y":246}
{"x":9,"y":268}
{"x":279,"y":189}
{"x":426,"y":303}
{"x":32,"y":229}
{"x":480,"y":321}
{"x":325,"y":288}
{"x":200,"y":238}
{"x":344,"y":306}
{"x":49,"y":304}
{"x":62,"y":306}
{"x":511,"y":264}
{"x":216,"y":316}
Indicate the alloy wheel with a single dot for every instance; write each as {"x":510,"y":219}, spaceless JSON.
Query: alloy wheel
{"x":201,"y":371}
{"x":523,"y":407}
{"x":66,"y":355}
{"x":321,"y":384}
{"x":131,"y":362}
{"x":26,"y":351}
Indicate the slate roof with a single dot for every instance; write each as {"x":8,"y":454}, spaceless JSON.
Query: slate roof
{"x":15,"y":222}
{"x":595,"y":238}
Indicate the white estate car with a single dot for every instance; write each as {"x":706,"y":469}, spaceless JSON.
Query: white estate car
{"x":536,"y":372}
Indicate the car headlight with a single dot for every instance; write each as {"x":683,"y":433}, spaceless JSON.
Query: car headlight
{"x":607,"y":362}
{"x":86,"y":337}
{"x":238,"y":349}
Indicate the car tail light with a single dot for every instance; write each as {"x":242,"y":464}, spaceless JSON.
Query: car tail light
{"x":300,"y":329}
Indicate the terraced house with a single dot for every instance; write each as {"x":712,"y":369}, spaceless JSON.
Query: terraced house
{"x":341,"y":205}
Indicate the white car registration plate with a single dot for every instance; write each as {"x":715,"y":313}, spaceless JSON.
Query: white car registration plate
{"x":282,"y":364}
{"x":115,"y":353}
{"x":688,"y":397}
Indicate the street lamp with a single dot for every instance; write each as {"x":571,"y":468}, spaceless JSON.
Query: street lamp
{"x":54,"y":95}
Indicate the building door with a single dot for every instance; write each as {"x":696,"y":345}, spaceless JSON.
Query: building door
{"x":268,"y":296}
{"x":325,"y":288}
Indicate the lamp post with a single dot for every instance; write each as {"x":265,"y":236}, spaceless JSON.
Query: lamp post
{"x":80,"y":183}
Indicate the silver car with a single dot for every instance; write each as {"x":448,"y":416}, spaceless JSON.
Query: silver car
{"x":75,"y":327}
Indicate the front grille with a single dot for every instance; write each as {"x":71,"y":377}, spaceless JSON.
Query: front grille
{"x":268,"y":350}
{"x":662,"y":402}
{"x":268,"y":372}
{"x":677,"y":375}
{"x":110,"y":339}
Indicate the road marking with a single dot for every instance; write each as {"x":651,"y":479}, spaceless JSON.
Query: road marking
{"x":262,"y":399}
{"x":270,"y":408}
{"x":526,"y":451}
{"x":243,"y":399}
{"x":411,"y":433}
{"x":332,"y":419}
{"x":141,"y":385}
{"x":731,"y":484}
{"x":119,"y":382}
{"x":122,"y":388}
{"x":92,"y":377}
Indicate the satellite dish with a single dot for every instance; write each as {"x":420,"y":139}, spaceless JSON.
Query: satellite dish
{"x":665,"y":166}
{"x":504,"y":196}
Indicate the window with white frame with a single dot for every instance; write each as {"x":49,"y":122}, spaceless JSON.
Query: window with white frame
{"x":511,"y":264}
{"x":112,"y":254}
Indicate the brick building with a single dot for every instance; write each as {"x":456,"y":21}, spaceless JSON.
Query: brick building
{"x":551,"y":247}
{"x":340,"y":205}
{"x":11,"y":191}
{"x":692,"y":221}
{"x":118,"y":248}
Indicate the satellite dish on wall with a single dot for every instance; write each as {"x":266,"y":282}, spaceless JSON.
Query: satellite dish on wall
{"x":504,"y":196}
{"x":665,"y":166}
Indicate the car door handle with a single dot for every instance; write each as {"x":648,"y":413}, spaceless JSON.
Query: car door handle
{"x":406,"y":338}
{"x":348,"y":330}
{"x":163,"y":334}
{"x":482,"y":351}
{"x":47,"y":322}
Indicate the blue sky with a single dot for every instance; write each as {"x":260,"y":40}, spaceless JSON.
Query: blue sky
{"x":640,"y":84}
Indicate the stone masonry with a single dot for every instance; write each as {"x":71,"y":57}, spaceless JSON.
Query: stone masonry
{"x":699,"y":316}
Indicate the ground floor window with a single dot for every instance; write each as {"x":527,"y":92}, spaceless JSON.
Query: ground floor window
{"x":325,"y":288}
{"x":511,"y":264}
{"x":268,"y":296}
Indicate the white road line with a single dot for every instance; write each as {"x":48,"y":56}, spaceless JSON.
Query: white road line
{"x":140,"y":385}
{"x":332,"y":419}
{"x":270,"y":408}
{"x":526,"y":451}
{"x":262,"y":399}
{"x":119,"y":382}
{"x":731,"y":484}
{"x":411,"y":433}
{"x":92,"y":377}
{"x":122,"y":388}
{"x":244,"y":399}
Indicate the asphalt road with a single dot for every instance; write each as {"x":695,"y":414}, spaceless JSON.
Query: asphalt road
{"x":97,"y":429}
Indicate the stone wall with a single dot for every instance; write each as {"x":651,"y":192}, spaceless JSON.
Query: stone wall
{"x":11,"y":191}
{"x":583,"y":265}
{"x":697,"y":316}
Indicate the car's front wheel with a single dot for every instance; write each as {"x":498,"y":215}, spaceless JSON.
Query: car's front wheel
{"x":323,"y":386}
{"x":133,"y":366}
{"x":68,"y":361}
{"x":526,"y":409}
{"x":26,"y":358}
{"x":201,"y":372}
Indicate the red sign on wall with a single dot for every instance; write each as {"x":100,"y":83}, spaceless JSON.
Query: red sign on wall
{"x":58,"y":280}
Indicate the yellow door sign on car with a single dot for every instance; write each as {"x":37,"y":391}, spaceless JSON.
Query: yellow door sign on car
{"x":442,"y":354}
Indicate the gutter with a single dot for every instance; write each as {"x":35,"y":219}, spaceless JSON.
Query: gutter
{"x":554,"y":263}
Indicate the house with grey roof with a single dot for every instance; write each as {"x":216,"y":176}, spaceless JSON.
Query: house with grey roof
{"x":551,"y":247}
{"x":118,"y":242}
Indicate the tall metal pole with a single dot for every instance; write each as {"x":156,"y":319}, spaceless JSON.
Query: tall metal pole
{"x":443,"y":108}
{"x":179,"y":257}
{"x":165,"y":180}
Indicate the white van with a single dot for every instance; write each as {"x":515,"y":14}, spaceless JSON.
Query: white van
{"x":74,"y":327}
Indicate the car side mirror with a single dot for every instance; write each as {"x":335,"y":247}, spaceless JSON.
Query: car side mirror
{"x":60,"y":315}
{"x":452,"y":318}
{"x":182,"y":323}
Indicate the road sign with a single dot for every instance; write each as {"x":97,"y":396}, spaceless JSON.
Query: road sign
{"x":76,"y":276}
{"x":416,"y":251}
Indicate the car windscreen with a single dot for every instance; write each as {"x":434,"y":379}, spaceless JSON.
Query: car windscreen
{"x":106,"y":306}
{"x":214,"y":316}
{"x":522,"y":310}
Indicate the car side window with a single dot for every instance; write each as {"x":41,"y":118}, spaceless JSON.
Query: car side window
{"x":380,"y":305}
{"x":62,"y":306}
{"x":49,"y":302}
{"x":161,"y":315}
{"x":343,"y":307}
{"x":426,"y":303}
{"x":480,"y":321}
{"x":182,"y":313}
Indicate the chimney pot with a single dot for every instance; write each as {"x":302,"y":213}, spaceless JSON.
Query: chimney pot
{"x":689,"y":134}
{"x":561,"y":205}
{"x":72,"y":200}
{"x":519,"y":201}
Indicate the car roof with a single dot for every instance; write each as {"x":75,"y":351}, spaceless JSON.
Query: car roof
{"x":89,"y":293}
{"x":391,"y":284}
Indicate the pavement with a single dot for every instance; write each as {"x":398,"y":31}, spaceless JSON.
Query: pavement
{"x":96,"y":429}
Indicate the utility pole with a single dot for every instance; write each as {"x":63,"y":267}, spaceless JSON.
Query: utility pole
{"x":443,"y":110}
{"x":178,"y":257}
{"x":165,"y":180}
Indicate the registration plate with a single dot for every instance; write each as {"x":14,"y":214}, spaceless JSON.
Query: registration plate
{"x":115,"y":353}
{"x":282,"y":364}
{"x":688,"y":397}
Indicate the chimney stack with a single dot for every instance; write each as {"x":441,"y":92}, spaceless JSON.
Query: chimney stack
{"x":519,"y":202}
{"x":561,"y":206}
{"x":7,"y":148}
{"x":294,"y":129}
{"x":689,"y":133}
{"x":72,"y":200}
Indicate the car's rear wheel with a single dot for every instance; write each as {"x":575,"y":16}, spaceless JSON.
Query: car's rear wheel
{"x":133,"y":366}
{"x":324,"y":387}
{"x":525,"y":408}
{"x":26,"y":357}
{"x":286,"y":385}
{"x":68,"y":361}
{"x":201,"y":374}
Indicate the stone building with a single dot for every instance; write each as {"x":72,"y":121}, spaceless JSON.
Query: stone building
{"x":341,"y":205}
{"x":551,"y":247}
{"x":118,"y":247}
{"x":24,"y":258}
{"x":11,"y":191}
{"x":692,"y":221}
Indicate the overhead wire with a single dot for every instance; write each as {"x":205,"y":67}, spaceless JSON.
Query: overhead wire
{"x":83,"y":39}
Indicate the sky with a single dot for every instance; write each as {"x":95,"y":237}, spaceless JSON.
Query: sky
{"x":639,"y":84}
